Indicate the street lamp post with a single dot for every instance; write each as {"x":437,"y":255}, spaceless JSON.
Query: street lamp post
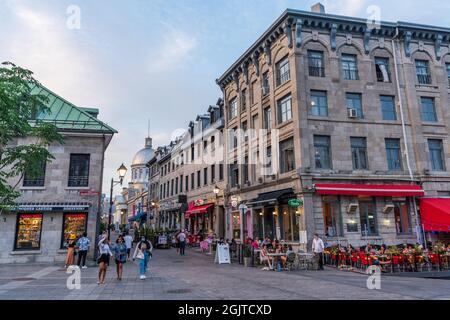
{"x":122,"y":171}
{"x":216,"y":191}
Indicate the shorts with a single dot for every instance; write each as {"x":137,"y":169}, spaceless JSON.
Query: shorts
{"x":119,"y":262}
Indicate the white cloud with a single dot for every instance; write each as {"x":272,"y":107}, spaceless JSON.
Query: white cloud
{"x":174,"y":51}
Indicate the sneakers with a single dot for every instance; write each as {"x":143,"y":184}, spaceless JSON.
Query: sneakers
{"x":84,"y":267}
{"x":142,"y":277}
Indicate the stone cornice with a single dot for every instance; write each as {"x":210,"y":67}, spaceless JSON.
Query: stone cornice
{"x":292,"y":22}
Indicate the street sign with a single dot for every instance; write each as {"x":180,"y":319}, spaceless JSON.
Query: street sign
{"x":295,"y":203}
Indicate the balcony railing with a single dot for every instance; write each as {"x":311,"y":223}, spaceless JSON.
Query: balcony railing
{"x":78,"y":181}
{"x":381,"y":76}
{"x":282,"y":78}
{"x":350,"y":74}
{"x":424,"y":79}
{"x":317,"y":72}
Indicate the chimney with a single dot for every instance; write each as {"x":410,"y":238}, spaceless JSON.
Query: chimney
{"x":148,"y":142}
{"x":318,"y":8}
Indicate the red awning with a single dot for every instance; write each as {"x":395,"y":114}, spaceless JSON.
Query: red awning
{"x":370,"y":190}
{"x":198,"y":209}
{"x":435,"y":214}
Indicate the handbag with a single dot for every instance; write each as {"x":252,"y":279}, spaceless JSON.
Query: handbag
{"x":140,"y":255}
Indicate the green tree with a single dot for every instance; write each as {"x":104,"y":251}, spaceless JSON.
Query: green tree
{"x":19,"y":118}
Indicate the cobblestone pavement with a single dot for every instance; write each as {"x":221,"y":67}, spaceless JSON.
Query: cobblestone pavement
{"x":195,"y":276}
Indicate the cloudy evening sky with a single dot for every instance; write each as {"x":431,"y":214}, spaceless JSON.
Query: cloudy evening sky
{"x":157,"y":59}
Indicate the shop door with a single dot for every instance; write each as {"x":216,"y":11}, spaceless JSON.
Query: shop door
{"x":269,"y":223}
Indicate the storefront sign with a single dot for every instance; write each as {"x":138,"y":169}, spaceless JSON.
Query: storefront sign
{"x":295,"y":203}
{"x":89,"y":193}
{"x":222,"y":254}
{"x":199,"y":202}
{"x":162,"y":240}
{"x":27,"y":208}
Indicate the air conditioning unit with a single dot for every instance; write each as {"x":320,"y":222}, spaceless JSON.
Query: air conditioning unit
{"x":388,"y":208}
{"x":426,"y":172}
{"x":352,"y":207}
{"x":260,"y":180}
{"x":352,"y":113}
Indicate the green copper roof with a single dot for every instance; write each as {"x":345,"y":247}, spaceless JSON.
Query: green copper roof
{"x":67,"y":116}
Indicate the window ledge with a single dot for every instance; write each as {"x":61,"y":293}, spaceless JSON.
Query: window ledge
{"x":372,"y":238}
{"x":24,"y":252}
{"x":77,"y":188}
{"x":32,"y":188}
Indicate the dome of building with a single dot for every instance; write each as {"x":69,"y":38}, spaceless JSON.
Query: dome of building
{"x":143,"y":156}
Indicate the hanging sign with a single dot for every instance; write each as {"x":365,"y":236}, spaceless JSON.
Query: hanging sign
{"x":295,"y":203}
{"x":222,"y":254}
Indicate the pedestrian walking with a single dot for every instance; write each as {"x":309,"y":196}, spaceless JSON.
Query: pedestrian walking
{"x":317,"y":248}
{"x":103,"y":261}
{"x":83,"y":247}
{"x":129,"y":244}
{"x":182,"y":242}
{"x":120,"y":256}
{"x":70,"y":257}
{"x":143,"y":252}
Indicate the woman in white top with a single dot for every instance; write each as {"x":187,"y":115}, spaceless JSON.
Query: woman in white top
{"x":103,"y":261}
{"x":143,"y":252}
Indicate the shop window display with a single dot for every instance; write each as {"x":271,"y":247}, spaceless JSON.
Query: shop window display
{"x":74,"y":225}
{"x":28,"y":234}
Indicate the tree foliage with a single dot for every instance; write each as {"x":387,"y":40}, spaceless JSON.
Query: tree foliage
{"x":19,"y":118}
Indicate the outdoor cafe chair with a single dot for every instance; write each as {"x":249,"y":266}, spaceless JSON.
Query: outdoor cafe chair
{"x":291,"y":261}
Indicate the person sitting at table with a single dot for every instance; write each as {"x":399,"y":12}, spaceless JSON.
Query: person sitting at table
{"x":264,"y":258}
{"x":368,"y":248}
{"x":255,"y":243}
{"x":268,"y":244}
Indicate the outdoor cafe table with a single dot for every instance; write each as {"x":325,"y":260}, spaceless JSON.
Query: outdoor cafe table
{"x":274,"y":255}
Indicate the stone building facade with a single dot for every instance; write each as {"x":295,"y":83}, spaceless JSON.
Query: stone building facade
{"x":350,"y":106}
{"x":65,"y":200}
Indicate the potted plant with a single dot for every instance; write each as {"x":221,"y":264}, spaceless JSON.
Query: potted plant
{"x":247,"y":252}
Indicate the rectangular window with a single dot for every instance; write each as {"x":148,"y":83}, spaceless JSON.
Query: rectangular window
{"x":244,"y":99}
{"x":402,"y":218}
{"x":234,"y":174}
{"x":245,"y":170}
{"x":35,"y":180}
{"x":265,"y":84}
{"x":234,"y":138}
{"x":252,"y":93}
{"x":233,"y":108}
{"x":285,"y":109}
{"x":282,"y":69}
{"x":319,"y":103}
{"x":28,"y":232}
{"x":176,"y":185}
{"x":181,"y":184}
{"x":447,"y":65}
{"x":192,"y":181}
{"x":388,"y":108}
{"x":187,"y":183}
{"x":74,"y":225}
{"x":354,"y":101}
{"x":315,"y":64}
{"x":382,"y":69}
{"x":423,"y":72}
{"x":268,"y":162}
{"x":428,"y":109}
{"x":171,"y":187}
{"x":213,"y":173}
{"x":359,"y":153}
{"x":220,"y":171}
{"x":436,"y":154}
{"x":205,"y":176}
{"x":332,"y":216}
{"x":349,"y":67}
{"x":367,"y":214}
{"x":79,"y":170}
{"x":287,"y":157}
{"x":198,"y":178}
{"x":322,"y":152}
{"x":244,"y":127}
{"x":394,"y":155}
{"x":160,"y":191}
{"x":267,"y":118}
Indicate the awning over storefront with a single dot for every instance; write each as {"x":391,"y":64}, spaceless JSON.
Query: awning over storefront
{"x":139,"y":217}
{"x":198,"y":209}
{"x":375,"y":190}
{"x":268,"y":197}
{"x":435,"y":214}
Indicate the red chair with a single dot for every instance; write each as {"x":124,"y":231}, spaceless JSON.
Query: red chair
{"x":397,"y":261}
{"x":354,"y":260}
{"x":433,"y":259}
{"x":333,"y":259}
{"x":342,"y":259}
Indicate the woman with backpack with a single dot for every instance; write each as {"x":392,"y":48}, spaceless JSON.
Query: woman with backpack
{"x":143,"y":252}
